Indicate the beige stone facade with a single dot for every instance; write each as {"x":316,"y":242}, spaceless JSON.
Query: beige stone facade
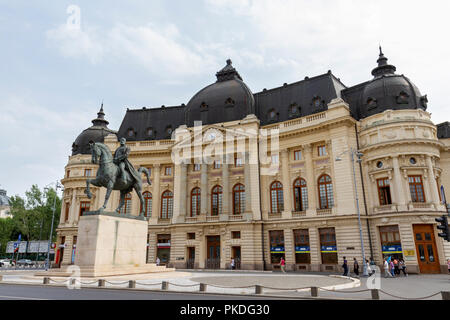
{"x":396,"y":146}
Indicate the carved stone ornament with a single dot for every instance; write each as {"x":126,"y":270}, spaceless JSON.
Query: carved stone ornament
{"x":385,"y":220}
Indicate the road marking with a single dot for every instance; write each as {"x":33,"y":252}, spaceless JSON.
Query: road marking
{"x":22,"y":298}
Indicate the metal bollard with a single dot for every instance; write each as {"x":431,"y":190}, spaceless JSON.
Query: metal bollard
{"x":164,"y":285}
{"x":314,"y":292}
{"x":375,"y":294}
{"x":132,"y":284}
{"x":258,"y":289}
{"x":202,"y":287}
{"x":46,"y":280}
{"x":101,"y":282}
{"x":445,"y":295}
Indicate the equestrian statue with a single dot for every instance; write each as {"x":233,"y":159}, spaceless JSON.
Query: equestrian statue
{"x":116,"y":173}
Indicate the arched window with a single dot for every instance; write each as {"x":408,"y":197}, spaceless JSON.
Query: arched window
{"x":300,"y":195}
{"x":276,"y":197}
{"x":147,"y":204}
{"x":195,"y":202}
{"x":216,"y":201}
{"x":325,"y":192}
{"x":238,"y":199}
{"x":126,"y":209}
{"x":166,"y":205}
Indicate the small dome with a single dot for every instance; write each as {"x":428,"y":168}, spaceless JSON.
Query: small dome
{"x":390,"y":91}
{"x":228,"y":99}
{"x":4,"y":200}
{"x":97,"y":133}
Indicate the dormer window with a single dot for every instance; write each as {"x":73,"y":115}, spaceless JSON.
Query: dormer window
{"x":272,"y":115}
{"x":169,"y":131}
{"x":203,"y":106}
{"x":229,"y":102}
{"x":150,"y":132}
{"x":130,"y":132}
{"x":317,"y":102}
{"x":371,"y":103}
{"x":424,"y":101}
{"x":294,"y":110}
{"x":403,"y":98}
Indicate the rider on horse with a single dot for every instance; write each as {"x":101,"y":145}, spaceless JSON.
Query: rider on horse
{"x":121,"y":159}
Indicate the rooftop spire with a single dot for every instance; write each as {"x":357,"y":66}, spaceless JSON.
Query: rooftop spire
{"x":228,"y":73}
{"x":100,"y":121}
{"x":383,"y":67}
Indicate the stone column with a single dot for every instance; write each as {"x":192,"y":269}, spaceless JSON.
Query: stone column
{"x":156,"y":196}
{"x":204,"y":190}
{"x":289,"y":248}
{"x":310,"y":181}
{"x":73,"y":213}
{"x":398,"y":187}
{"x":432,"y":183}
{"x":314,"y":244}
{"x":287,"y":191}
{"x":225,"y":188}
{"x":179,"y":204}
{"x":248,"y":188}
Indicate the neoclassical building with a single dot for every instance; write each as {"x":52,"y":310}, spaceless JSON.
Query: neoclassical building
{"x":279,"y":173}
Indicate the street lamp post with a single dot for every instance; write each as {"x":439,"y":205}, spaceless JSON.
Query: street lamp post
{"x":47,"y":262}
{"x":358,"y":155}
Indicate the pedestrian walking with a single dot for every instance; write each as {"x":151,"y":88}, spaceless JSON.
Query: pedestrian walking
{"x":232,"y":264}
{"x":355,"y":267}
{"x":396,"y":267}
{"x":369,"y":268}
{"x":345,"y":266}
{"x":283,"y":265}
{"x":158,"y":261}
{"x":448,"y":265}
{"x":402,"y":266}
{"x":387,"y":274}
{"x":392,"y":269}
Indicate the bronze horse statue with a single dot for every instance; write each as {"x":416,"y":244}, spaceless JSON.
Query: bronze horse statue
{"x":108,"y":177}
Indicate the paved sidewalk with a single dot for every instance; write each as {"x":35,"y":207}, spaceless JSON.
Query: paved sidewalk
{"x":274,"y":283}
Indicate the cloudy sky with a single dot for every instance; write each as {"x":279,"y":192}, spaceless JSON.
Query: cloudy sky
{"x":135,"y":53}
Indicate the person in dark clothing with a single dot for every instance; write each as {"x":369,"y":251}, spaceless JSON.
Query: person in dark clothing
{"x":345,"y":266}
{"x":355,"y":267}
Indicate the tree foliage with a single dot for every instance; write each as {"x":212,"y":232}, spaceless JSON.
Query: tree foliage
{"x":31,"y":216}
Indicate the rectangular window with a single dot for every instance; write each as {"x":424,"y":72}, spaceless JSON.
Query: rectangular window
{"x":217,"y":164}
{"x":87,"y":172}
{"x":149,"y":171}
{"x":328,"y":248}
{"x":191,"y":236}
{"x":416,"y":188}
{"x":302,"y":249}
{"x":168,"y":171}
{"x":384,"y":191}
{"x":68,"y":173}
{"x":84,"y":206}
{"x":276,"y":246}
{"x":275,"y":159}
{"x":297,"y":155}
{"x":235,"y":234}
{"x":238,"y":162}
{"x":197,"y":167}
{"x":321,"y":151}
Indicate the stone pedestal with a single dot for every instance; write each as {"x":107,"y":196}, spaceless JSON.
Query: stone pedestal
{"x":110,"y":244}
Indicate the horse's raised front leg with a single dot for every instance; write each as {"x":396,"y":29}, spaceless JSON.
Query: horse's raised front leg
{"x":108,"y":194}
{"x":122,"y":201}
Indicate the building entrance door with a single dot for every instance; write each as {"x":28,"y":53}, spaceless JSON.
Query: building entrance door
{"x":236,"y":254}
{"x":426,"y":248}
{"x":190,"y":258}
{"x":213,"y":252}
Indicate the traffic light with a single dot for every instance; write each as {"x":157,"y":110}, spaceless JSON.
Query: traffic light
{"x":443,"y":221}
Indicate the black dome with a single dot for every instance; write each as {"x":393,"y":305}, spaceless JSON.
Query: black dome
{"x":228,"y":99}
{"x":95,"y":133}
{"x":390,"y":91}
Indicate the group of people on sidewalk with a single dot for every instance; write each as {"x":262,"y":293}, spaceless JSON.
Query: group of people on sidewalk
{"x":370,"y":267}
{"x":392,"y":267}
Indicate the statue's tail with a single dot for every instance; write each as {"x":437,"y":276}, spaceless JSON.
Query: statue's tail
{"x":147,"y":174}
